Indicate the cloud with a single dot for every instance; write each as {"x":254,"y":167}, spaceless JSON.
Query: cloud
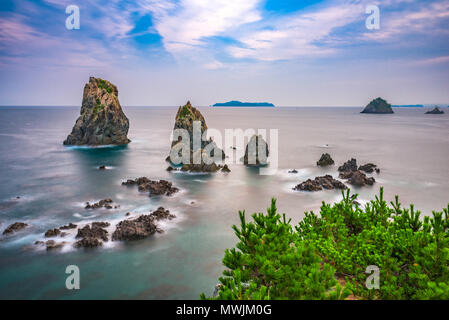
{"x":298,"y":34}
{"x":411,"y":19}
{"x":184,"y":24}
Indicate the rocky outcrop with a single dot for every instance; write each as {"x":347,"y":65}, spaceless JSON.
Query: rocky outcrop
{"x":155,"y":188}
{"x":357,"y":178}
{"x":369,"y":168}
{"x":378,"y":105}
{"x":436,"y":110}
{"x":319,"y":183}
{"x":141,"y":227}
{"x":201,"y":154}
{"x":52,"y":233}
{"x":92,"y":235}
{"x":17,"y":226}
{"x":52,"y":244}
{"x":354,"y":174}
{"x":106,"y":203}
{"x":256,"y":152}
{"x":325,"y":160}
{"x":350,"y":165}
{"x":101,"y":120}
{"x":69,"y":226}
{"x":225,"y":168}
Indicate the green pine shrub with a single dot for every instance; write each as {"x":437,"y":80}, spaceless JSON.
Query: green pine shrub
{"x":273,"y":260}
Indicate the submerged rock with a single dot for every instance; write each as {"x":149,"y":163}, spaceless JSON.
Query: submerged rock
{"x":436,"y":110}
{"x":52,"y":244}
{"x":325,"y":160}
{"x":17,"y":226}
{"x":155,"y":188}
{"x":256,"y":152}
{"x":319,"y":183}
{"x":200,"y":154}
{"x":101,"y":120}
{"x":102,"y":203}
{"x":69,"y":226}
{"x":52,"y":233}
{"x":378,"y":105}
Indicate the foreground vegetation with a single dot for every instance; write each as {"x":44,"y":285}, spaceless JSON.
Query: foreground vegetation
{"x":326,"y":256}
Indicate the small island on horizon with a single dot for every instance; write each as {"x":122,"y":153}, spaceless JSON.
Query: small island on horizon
{"x":235,"y":103}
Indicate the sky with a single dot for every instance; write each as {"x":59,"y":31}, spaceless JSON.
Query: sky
{"x":165,"y":52}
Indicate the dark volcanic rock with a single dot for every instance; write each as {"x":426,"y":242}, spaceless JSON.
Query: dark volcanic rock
{"x":101,"y":120}
{"x":161,"y":213}
{"x":225,"y":168}
{"x":368,"y":168}
{"x":102,"y":203}
{"x":15,"y":227}
{"x":319,"y":183}
{"x":378,"y":105}
{"x":208,"y":168}
{"x":293,"y":171}
{"x":256,"y":152}
{"x":93,"y":232}
{"x":51,"y":245}
{"x":198,"y":155}
{"x":436,"y":110}
{"x":102,"y":167}
{"x":88,"y":243}
{"x":325,"y":160}
{"x":69,"y":226}
{"x":155,"y":188}
{"x":350,"y":165}
{"x":358,"y":178}
{"x":141,"y":227}
{"x":52,"y":233}
{"x":136,"y":229}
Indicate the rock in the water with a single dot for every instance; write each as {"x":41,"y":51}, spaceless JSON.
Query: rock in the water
{"x":225,"y":168}
{"x":161,"y":213}
{"x":256,"y":152}
{"x":136,"y":229}
{"x":102,"y":203}
{"x":88,"y":243}
{"x":102,"y":121}
{"x":52,"y":233}
{"x":198,"y":155}
{"x":359,"y":179}
{"x":369,"y":168}
{"x":92,"y":236}
{"x":69,"y":226}
{"x":102,"y":167}
{"x":378,"y":105}
{"x":155,"y":188}
{"x":141,"y":227}
{"x":93,"y":232}
{"x":319,"y":183}
{"x":348,"y":166}
{"x":325,"y":160}
{"x":293,"y":171}
{"x":436,"y":110}
{"x":51,"y":245}
{"x":15,"y":227}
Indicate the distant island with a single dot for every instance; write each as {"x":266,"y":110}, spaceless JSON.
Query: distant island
{"x":243,"y":104}
{"x":409,"y":106}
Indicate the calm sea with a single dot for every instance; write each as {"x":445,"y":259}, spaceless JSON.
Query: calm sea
{"x":53,"y":183}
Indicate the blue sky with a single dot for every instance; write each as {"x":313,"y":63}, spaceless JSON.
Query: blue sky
{"x":291,"y":53}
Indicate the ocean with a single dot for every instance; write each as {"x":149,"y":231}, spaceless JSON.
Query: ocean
{"x":54,"y":182}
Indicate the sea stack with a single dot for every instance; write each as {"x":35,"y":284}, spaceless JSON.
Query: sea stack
{"x":201,"y":156}
{"x":256,"y":152}
{"x":101,"y":120}
{"x":436,"y":110}
{"x":379,"y":106}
